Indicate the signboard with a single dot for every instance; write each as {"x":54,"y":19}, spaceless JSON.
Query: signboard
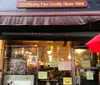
{"x":51,"y":3}
{"x":49,"y":7}
{"x":67,"y":81}
{"x":66,"y":65}
{"x":42,"y":75}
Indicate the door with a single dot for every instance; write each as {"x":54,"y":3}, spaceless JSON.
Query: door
{"x":86,"y":72}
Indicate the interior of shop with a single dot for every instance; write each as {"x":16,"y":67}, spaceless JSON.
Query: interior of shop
{"x":52,"y":62}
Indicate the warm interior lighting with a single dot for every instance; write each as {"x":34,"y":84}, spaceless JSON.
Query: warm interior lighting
{"x":79,"y":50}
{"x":69,"y":57}
{"x":22,"y":51}
{"x":50,"y":58}
{"x":49,"y":52}
{"x":26,"y":52}
{"x":62,"y":59}
{"x":30,"y":53}
{"x":16,"y":52}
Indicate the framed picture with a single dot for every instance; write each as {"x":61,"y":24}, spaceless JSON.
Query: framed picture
{"x":18,"y":66}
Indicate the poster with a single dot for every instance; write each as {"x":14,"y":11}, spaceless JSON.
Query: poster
{"x":18,"y":66}
{"x":81,"y":70}
{"x":66,"y":65}
{"x":33,"y":59}
{"x":54,"y":63}
{"x":67,"y":81}
{"x":42,"y":75}
{"x":86,"y":63}
{"x":89,"y":75}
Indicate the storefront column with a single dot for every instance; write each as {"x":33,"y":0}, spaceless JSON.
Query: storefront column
{"x":1,"y":58}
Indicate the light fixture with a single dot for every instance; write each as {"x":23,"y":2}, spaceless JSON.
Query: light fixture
{"x":79,"y":50}
{"x":49,"y":52}
{"x":16,"y":52}
{"x":50,"y":57}
{"x":69,"y":57}
{"x":30,"y":53}
{"x":26,"y":52}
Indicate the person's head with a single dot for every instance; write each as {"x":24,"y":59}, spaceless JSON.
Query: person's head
{"x":52,"y":76}
{"x":52,"y":70}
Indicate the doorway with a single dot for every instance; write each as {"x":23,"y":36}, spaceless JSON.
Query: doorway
{"x":86,"y":71}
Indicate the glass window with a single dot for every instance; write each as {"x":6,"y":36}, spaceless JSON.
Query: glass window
{"x":49,"y":61}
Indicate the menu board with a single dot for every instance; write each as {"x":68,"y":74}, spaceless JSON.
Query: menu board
{"x":65,"y":65}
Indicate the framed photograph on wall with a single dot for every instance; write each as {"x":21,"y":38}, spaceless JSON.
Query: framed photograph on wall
{"x":18,"y":66}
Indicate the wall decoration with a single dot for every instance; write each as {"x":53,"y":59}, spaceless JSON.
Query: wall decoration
{"x":18,"y":66}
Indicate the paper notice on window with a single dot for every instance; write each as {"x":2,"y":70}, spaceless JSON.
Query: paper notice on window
{"x":66,"y":65}
{"x":89,"y":75}
{"x":42,"y":75}
{"x":81,"y":70}
{"x":86,"y":63}
{"x":67,"y":81}
{"x":54,"y":63}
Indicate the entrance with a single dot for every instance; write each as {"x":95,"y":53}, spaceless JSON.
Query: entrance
{"x":86,"y":71}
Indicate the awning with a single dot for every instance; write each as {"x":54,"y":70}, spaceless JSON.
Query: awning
{"x":47,"y":20}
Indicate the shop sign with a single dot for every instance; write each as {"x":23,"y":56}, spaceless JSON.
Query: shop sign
{"x":67,"y":81}
{"x":51,"y":3}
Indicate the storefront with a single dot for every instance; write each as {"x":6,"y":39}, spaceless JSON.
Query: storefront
{"x":49,"y":63}
{"x":43,"y":44}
